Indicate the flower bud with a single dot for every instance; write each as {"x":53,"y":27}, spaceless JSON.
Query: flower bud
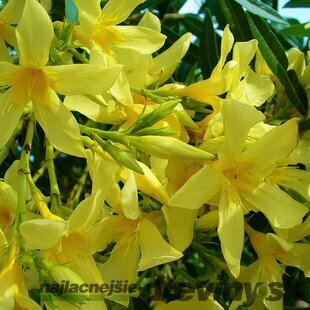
{"x":168,"y":147}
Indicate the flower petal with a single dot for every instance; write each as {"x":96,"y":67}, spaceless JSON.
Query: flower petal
{"x":90,"y":80}
{"x":116,"y":11}
{"x":298,"y":180}
{"x":180,"y":226}
{"x":12,"y":11}
{"x":164,"y":64}
{"x":198,"y":189}
{"x":33,"y":230}
{"x":120,"y":90}
{"x":129,"y":198}
{"x":122,"y":266}
{"x":280,"y":209}
{"x":112,"y":114}
{"x":87,"y":212}
{"x":253,"y":90}
{"x":34,"y":35}
{"x":271,"y":147}
{"x":243,"y":53}
{"x":89,"y":13}
{"x":59,"y":125}
{"x":149,"y":20}
{"x":6,"y":72}
{"x":235,"y":112}
{"x":142,"y":40}
{"x":298,"y":257}
{"x":231,"y":231}
{"x":150,"y":185}
{"x":156,"y":252}
{"x":226,"y":45}
{"x":10,"y":113}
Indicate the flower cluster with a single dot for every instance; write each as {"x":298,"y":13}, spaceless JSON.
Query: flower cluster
{"x":160,"y":176}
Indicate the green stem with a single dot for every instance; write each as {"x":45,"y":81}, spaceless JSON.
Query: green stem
{"x":77,"y":190}
{"x":55,"y":192}
{"x":39,"y":173}
{"x":183,"y":273}
{"x":79,"y":56}
{"x":23,"y":171}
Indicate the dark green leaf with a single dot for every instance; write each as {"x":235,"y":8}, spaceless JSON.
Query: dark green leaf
{"x":208,"y":48}
{"x":177,"y":5}
{"x":147,"y":5}
{"x":193,"y":24}
{"x":260,"y":8}
{"x":276,"y":59}
{"x":297,"y":4}
{"x":304,"y":125}
{"x":230,"y":12}
{"x":299,"y":30}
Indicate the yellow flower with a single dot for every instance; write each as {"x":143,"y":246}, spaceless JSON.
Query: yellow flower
{"x":270,"y":248}
{"x":220,"y":80}
{"x":34,"y":81}
{"x":239,"y":180}
{"x":99,"y":30}
{"x":98,"y":27}
{"x":132,"y":232}
{"x":13,"y":289}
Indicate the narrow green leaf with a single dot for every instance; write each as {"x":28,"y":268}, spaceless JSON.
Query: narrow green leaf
{"x":71,"y":11}
{"x":276,"y":59}
{"x":192,"y":23}
{"x":260,"y":8}
{"x":208,"y":48}
{"x":147,"y":4}
{"x":297,"y":4}
{"x":299,"y":30}
{"x":230,"y":12}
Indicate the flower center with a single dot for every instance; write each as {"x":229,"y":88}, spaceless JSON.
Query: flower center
{"x":105,"y":37}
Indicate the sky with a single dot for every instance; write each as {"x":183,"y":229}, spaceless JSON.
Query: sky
{"x":302,"y":14}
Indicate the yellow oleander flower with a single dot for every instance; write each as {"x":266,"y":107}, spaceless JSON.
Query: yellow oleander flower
{"x":99,"y":28}
{"x":139,"y":244}
{"x":270,"y":248}
{"x":34,"y":81}
{"x":209,"y":90}
{"x":13,"y":289}
{"x":239,"y":180}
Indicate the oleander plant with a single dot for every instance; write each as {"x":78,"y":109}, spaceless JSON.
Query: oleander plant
{"x":151,"y":158}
